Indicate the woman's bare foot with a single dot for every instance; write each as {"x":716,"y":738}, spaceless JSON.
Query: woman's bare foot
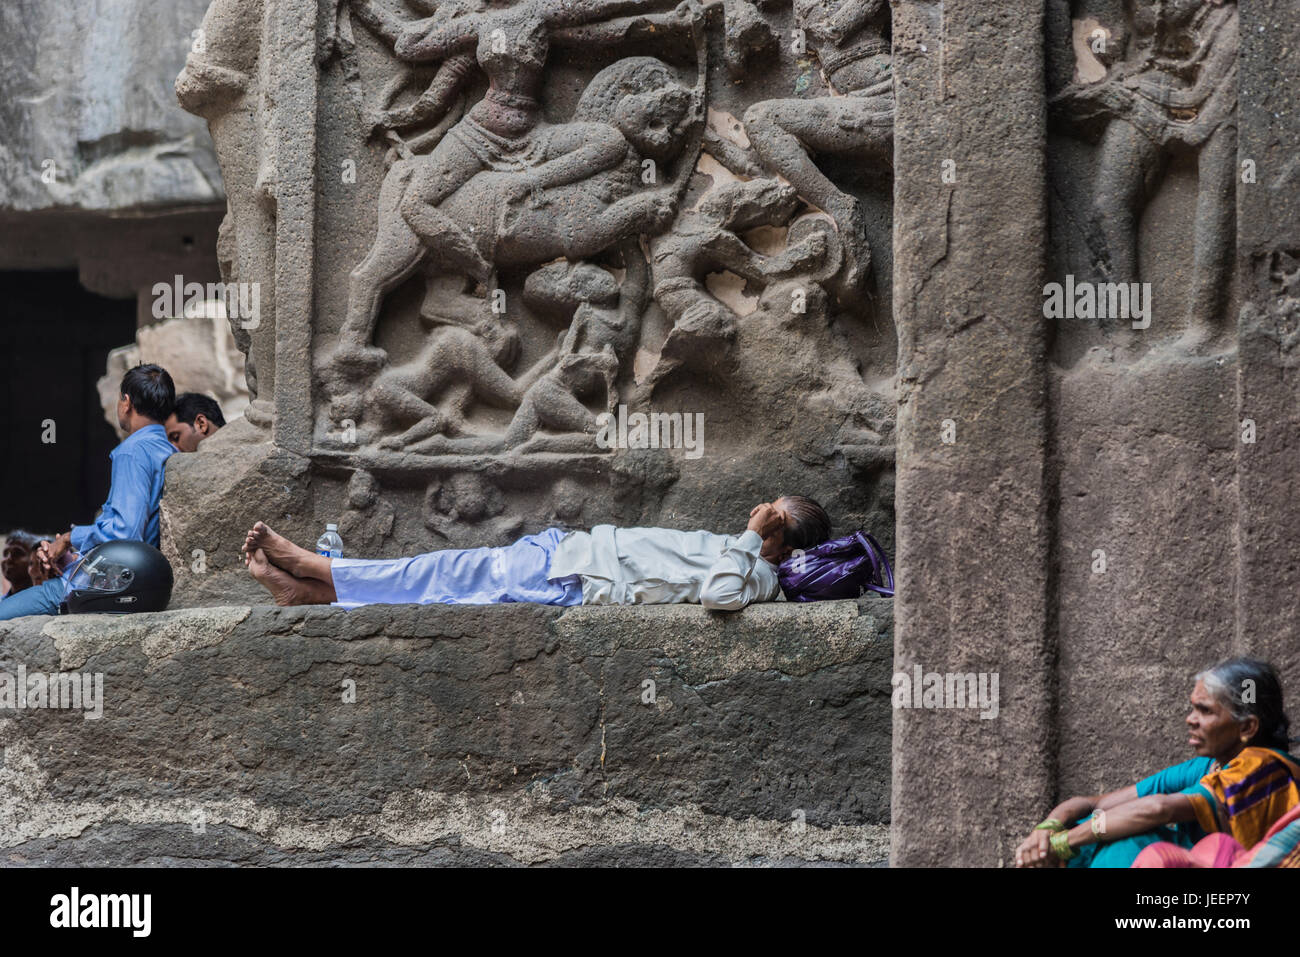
{"x":284,"y":588}
{"x":279,"y":550}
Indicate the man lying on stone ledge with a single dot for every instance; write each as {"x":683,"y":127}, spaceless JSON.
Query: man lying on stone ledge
{"x":607,"y":565}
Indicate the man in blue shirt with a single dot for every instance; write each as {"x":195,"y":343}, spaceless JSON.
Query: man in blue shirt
{"x":148,"y":397}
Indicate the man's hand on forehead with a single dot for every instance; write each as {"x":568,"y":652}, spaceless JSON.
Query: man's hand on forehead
{"x":766,"y":519}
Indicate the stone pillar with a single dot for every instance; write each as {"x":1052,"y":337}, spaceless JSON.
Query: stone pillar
{"x":1268,"y":384}
{"x":973,"y":530}
{"x":293,"y":125}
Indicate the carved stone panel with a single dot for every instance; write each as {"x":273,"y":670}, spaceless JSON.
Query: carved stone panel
{"x":566,"y":262}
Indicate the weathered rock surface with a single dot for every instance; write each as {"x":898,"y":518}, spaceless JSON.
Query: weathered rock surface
{"x":212,"y":497}
{"x":455,"y":735}
{"x":704,"y":289}
{"x":1092,"y":505}
{"x":973,"y":554}
{"x":88,"y":97}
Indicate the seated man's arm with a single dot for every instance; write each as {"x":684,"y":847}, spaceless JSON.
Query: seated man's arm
{"x":125,"y":515}
{"x":736,"y":578}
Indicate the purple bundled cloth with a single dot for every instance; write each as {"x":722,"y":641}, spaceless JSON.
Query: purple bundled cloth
{"x":839,"y":568}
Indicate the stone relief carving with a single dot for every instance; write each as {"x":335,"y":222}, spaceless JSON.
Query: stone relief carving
{"x":226,"y":82}
{"x":851,"y":40}
{"x":563,"y":208}
{"x":466,"y":511}
{"x":368,"y":520}
{"x":1169,"y":87}
{"x":499,"y":188}
{"x":707,"y":240}
{"x":503,"y":188}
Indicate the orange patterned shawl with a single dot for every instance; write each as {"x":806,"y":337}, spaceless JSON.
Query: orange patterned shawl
{"x":1248,"y":795}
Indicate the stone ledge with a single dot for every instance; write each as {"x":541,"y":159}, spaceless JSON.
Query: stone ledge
{"x":510,"y":734}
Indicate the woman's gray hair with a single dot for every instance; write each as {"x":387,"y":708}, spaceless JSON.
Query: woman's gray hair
{"x":1246,"y":687}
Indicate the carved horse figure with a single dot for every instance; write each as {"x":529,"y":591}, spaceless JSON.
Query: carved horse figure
{"x":504,"y":134}
{"x":565,"y":200}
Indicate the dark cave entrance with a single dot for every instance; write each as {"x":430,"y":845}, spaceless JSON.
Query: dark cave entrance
{"x":55,"y":337}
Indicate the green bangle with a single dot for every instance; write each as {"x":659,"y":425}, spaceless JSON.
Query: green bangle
{"x":1051,"y":824}
{"x":1060,"y":841}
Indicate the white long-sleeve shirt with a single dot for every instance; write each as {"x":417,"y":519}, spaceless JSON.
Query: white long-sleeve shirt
{"x":663,"y":565}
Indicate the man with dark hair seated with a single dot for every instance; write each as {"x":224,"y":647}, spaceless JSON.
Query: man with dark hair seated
{"x":607,"y":565}
{"x":196,"y":417}
{"x":131,"y":512}
{"x":19,"y":546}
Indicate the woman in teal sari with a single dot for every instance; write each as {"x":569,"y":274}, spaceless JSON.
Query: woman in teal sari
{"x":1241,"y":781}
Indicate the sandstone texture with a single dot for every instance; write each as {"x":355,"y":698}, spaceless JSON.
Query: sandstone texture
{"x":87,"y":105}
{"x":507,"y":735}
{"x":1089,"y":504}
{"x":838,"y":234}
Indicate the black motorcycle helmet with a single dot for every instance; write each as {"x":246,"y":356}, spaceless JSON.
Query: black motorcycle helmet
{"x":118,"y":578}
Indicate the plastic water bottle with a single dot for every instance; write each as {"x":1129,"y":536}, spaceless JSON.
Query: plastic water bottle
{"x":329,"y":544}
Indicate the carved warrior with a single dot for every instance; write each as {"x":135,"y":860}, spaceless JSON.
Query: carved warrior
{"x":1174,"y":89}
{"x":466,"y":345}
{"x":469,"y":192}
{"x":634,"y":110}
{"x":851,"y":40}
{"x":707,"y":240}
{"x":603,"y":325}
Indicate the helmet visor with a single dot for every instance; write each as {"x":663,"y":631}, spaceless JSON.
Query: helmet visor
{"x":99,"y":574}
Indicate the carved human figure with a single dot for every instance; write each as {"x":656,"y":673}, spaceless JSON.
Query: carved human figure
{"x":568,"y":501}
{"x":501,"y":133}
{"x":436,"y":101}
{"x":704,"y":240}
{"x":851,"y":40}
{"x":468,"y":511}
{"x":574,"y":221}
{"x":604,"y":328}
{"x":746,"y":35}
{"x":652,"y":115}
{"x":1174,"y":91}
{"x":467,"y":349}
{"x":368,"y":519}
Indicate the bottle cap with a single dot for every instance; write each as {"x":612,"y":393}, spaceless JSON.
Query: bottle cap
{"x":331,"y":528}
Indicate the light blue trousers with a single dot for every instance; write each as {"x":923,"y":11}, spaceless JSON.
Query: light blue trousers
{"x":459,"y":576}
